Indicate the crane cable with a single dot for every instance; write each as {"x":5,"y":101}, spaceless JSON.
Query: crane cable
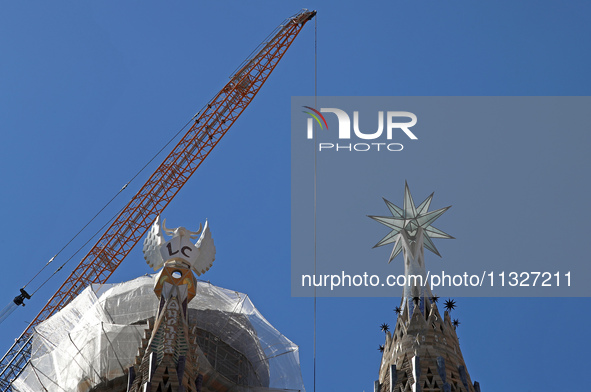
{"x":315,"y":176}
{"x":99,"y":212}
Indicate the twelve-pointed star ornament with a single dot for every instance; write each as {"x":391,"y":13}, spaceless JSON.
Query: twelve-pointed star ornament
{"x":410,"y":219}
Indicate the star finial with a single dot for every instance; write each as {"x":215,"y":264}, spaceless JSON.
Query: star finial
{"x":450,"y":304}
{"x":410,"y":218}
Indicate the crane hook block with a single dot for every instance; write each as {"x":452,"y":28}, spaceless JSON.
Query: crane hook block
{"x":20,"y":299}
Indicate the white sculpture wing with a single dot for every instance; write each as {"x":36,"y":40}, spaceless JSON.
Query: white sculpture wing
{"x":152,"y":246}
{"x":206,"y":251}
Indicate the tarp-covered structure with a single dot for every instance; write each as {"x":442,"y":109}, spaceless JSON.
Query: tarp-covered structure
{"x":95,"y":339}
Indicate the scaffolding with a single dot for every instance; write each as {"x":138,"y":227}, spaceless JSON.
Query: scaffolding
{"x":91,"y":343}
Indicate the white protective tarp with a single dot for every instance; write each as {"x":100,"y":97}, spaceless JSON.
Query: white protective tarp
{"x":96,"y":337}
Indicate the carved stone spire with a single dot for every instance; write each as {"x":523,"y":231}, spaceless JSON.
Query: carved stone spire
{"x":167,"y":362}
{"x":423,"y":351}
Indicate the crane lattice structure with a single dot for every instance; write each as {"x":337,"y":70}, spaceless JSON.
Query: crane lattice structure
{"x":210,"y":125}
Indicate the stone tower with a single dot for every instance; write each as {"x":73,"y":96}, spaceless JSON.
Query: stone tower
{"x":166,"y":332}
{"x":422,"y":354}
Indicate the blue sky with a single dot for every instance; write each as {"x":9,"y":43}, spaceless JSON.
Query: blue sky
{"x":89,"y":92}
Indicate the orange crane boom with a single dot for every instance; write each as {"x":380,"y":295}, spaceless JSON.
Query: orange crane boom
{"x":210,"y":125}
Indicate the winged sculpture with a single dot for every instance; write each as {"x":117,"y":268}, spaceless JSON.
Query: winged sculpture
{"x":200,"y":256}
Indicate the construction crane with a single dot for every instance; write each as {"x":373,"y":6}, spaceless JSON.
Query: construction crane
{"x":210,"y":125}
